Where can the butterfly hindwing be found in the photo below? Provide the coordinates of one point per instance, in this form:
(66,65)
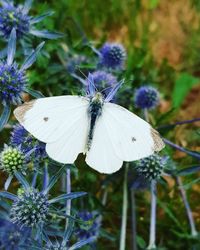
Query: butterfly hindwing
(102,156)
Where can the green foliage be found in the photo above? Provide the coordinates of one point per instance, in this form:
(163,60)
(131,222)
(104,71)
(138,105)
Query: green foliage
(182,86)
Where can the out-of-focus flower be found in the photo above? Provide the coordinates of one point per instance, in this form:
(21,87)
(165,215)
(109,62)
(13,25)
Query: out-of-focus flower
(112,55)
(12,159)
(74,62)
(12,237)
(27,143)
(18,18)
(93,225)
(146,97)
(151,168)
(102,80)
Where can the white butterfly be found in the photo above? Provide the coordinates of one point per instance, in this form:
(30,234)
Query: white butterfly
(107,133)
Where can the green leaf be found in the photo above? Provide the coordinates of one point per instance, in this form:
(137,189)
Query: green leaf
(182,86)
(141,242)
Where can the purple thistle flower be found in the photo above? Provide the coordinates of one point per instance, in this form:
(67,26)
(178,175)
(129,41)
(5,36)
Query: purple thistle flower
(23,139)
(112,55)
(13,83)
(93,227)
(13,17)
(18,18)
(13,80)
(102,80)
(146,97)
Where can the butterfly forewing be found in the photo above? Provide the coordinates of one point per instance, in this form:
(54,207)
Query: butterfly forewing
(48,119)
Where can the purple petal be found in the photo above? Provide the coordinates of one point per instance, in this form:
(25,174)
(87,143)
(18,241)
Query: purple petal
(113,91)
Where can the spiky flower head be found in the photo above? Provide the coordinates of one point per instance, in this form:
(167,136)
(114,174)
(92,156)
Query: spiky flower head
(146,97)
(151,168)
(12,83)
(30,209)
(12,159)
(23,139)
(13,17)
(91,228)
(112,55)
(102,79)
(12,236)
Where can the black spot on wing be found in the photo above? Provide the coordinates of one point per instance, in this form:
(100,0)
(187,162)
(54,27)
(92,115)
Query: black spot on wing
(133,139)
(46,119)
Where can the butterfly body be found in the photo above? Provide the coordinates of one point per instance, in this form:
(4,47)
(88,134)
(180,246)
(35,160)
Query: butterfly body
(94,112)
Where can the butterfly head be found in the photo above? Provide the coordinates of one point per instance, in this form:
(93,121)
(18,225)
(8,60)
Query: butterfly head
(98,98)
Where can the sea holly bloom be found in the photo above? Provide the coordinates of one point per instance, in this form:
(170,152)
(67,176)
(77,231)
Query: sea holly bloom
(12,159)
(13,79)
(31,208)
(102,79)
(20,137)
(151,168)
(18,18)
(146,97)
(112,55)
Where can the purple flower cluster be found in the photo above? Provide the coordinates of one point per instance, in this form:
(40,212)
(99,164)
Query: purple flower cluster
(21,138)
(13,17)
(112,55)
(12,83)
(146,97)
(102,79)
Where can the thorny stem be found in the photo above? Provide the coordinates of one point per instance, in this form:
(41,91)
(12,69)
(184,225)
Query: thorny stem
(152,235)
(124,211)
(187,206)
(134,226)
